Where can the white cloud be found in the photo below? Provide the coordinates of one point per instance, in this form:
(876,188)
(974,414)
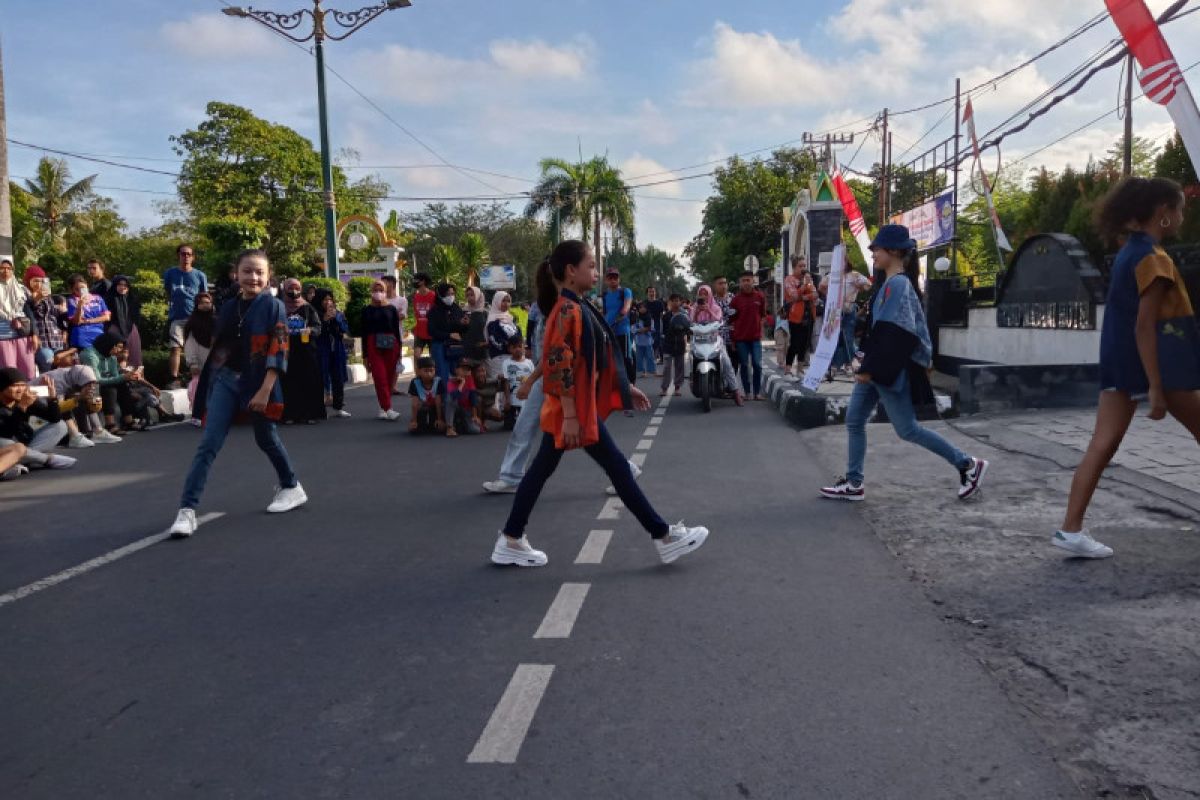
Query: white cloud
(647,170)
(536,59)
(215,36)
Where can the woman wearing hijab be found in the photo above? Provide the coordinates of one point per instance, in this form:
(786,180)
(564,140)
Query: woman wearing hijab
(331,351)
(18,336)
(303,398)
(706,310)
(501,328)
(382,340)
(475,339)
(448,324)
(125,311)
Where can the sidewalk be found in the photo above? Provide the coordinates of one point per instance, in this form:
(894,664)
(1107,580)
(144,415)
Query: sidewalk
(1104,656)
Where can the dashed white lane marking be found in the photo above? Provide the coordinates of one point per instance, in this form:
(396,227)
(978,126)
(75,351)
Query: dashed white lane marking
(99,561)
(563,612)
(611,509)
(638,458)
(594,547)
(504,734)
(644,444)
(651,430)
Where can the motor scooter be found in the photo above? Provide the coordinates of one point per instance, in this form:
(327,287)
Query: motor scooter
(707,381)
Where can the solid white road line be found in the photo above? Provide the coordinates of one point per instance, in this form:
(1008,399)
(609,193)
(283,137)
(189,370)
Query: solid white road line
(612,506)
(644,444)
(594,547)
(504,734)
(651,430)
(639,459)
(100,561)
(560,617)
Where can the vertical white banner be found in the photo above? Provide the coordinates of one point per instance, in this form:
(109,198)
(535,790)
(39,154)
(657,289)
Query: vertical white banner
(831,325)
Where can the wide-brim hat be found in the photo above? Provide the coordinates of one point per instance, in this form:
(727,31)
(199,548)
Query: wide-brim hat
(893,237)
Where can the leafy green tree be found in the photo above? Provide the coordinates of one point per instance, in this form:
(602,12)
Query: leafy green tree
(445,265)
(1175,163)
(472,255)
(1145,156)
(241,169)
(642,268)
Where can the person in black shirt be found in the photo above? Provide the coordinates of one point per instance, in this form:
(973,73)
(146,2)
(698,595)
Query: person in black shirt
(382,340)
(19,404)
(656,309)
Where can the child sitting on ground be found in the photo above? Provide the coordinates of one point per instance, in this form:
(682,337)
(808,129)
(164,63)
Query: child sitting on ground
(425,389)
(462,401)
(488,391)
(514,369)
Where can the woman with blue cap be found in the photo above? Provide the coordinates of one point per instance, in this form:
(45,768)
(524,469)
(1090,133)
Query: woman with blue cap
(894,370)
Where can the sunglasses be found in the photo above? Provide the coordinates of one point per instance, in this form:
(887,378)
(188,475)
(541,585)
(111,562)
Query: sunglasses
(188,254)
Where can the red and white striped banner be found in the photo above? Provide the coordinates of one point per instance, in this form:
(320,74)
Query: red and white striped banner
(858,226)
(969,121)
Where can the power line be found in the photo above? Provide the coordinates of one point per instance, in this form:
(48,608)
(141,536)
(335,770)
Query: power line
(91,158)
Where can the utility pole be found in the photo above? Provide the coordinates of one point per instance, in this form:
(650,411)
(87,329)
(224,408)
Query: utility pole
(827,142)
(1127,168)
(957,138)
(6,231)
(883,172)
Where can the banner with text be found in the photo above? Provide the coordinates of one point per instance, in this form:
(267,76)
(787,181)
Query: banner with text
(831,327)
(932,223)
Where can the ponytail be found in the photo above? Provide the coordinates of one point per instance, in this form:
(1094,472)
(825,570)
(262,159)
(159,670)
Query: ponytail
(553,271)
(912,271)
(547,292)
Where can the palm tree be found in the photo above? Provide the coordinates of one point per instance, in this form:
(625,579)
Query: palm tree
(589,193)
(472,253)
(55,201)
(446,265)
(611,202)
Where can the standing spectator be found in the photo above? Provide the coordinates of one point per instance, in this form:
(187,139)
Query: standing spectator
(656,309)
(643,341)
(427,398)
(103,357)
(331,352)
(448,324)
(98,283)
(801,297)
(475,338)
(18,335)
(723,299)
(618,302)
(303,398)
(400,303)
(125,312)
(87,314)
(423,301)
(309,293)
(674,344)
(531,328)
(49,317)
(852,283)
(198,336)
(182,284)
(749,307)
(381,347)
(18,404)
(226,289)
(501,329)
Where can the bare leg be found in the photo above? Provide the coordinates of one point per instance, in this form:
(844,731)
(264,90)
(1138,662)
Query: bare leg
(1112,420)
(1185,407)
(175,353)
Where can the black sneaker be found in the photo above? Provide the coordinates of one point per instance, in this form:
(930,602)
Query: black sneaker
(971,479)
(843,489)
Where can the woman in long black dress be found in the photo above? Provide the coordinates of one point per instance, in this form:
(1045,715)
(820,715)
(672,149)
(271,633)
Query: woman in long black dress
(303,387)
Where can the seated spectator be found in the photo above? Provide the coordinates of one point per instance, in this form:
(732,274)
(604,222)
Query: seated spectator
(462,401)
(331,352)
(87,313)
(198,339)
(18,406)
(126,312)
(118,401)
(426,392)
(514,369)
(487,391)
(146,397)
(18,336)
(10,462)
(78,394)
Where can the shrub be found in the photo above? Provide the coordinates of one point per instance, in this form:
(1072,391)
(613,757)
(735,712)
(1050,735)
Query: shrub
(157,364)
(360,296)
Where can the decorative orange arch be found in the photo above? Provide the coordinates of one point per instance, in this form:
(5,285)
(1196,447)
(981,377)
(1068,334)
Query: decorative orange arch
(345,222)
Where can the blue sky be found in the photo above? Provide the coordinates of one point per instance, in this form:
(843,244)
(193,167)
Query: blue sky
(656,84)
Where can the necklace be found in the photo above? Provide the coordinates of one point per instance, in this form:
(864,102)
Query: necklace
(242,314)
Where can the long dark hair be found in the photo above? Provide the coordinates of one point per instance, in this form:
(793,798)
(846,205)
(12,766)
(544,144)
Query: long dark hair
(201,325)
(554,268)
(912,271)
(1135,200)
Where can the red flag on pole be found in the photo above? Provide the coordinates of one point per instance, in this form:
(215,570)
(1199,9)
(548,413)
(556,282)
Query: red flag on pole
(858,226)
(1001,239)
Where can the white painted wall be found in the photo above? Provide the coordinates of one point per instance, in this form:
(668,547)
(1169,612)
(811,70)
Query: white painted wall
(982,340)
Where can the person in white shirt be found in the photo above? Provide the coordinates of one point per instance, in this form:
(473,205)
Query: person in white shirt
(853,282)
(514,368)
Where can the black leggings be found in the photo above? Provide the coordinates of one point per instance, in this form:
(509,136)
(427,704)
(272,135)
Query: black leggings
(799,334)
(118,400)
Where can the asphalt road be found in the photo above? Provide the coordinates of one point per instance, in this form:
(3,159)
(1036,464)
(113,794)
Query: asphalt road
(364,647)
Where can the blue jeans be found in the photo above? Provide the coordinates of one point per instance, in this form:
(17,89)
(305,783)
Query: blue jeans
(897,401)
(645,359)
(750,355)
(438,349)
(611,460)
(846,348)
(524,437)
(223,406)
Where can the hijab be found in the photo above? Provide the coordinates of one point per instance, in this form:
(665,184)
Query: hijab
(475,302)
(292,304)
(495,313)
(13,295)
(119,305)
(201,325)
(706,310)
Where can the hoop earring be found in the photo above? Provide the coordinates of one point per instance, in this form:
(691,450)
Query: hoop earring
(1164,223)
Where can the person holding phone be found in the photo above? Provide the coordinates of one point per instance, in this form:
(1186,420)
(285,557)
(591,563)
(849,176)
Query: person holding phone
(87,313)
(18,335)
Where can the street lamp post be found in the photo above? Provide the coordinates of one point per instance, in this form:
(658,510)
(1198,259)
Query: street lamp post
(347,22)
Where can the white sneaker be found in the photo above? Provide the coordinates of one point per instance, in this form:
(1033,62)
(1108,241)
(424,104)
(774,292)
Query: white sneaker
(185,524)
(80,442)
(287,499)
(972,478)
(843,489)
(1081,545)
(522,553)
(196,422)
(393,414)
(339,413)
(14,472)
(104,437)
(383,415)
(611,491)
(55,461)
(499,487)
(681,540)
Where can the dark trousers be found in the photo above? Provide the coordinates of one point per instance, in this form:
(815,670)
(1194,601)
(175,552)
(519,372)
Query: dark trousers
(627,356)
(734,358)
(799,336)
(118,400)
(610,459)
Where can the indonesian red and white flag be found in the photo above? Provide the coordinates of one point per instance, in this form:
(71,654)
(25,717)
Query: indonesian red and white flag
(1161,78)
(969,121)
(858,226)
